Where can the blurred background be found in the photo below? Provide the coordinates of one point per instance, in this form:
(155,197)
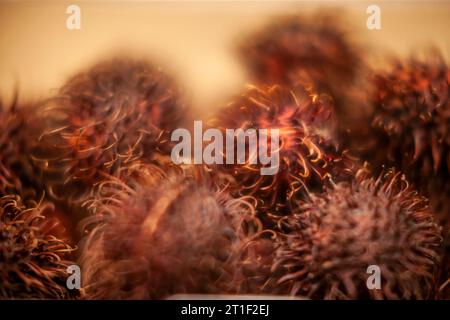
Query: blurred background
(195,41)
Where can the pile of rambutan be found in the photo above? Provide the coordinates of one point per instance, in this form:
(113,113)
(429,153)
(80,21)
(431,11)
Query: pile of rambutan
(87,179)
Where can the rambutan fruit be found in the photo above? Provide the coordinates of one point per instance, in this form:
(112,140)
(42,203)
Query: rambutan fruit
(307,152)
(334,237)
(314,49)
(411,124)
(112,114)
(33,261)
(173,235)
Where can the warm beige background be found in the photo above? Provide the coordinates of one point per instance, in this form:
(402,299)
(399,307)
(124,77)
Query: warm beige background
(192,40)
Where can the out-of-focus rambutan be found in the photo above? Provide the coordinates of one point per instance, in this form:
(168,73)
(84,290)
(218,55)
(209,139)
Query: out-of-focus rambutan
(32,260)
(411,125)
(112,114)
(411,120)
(19,132)
(334,237)
(307,152)
(173,235)
(314,49)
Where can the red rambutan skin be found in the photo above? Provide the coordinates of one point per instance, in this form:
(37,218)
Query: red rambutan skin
(308,154)
(329,243)
(33,261)
(173,234)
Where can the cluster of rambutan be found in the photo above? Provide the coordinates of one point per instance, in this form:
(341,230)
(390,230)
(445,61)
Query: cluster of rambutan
(91,166)
(97,159)
(339,217)
(53,155)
